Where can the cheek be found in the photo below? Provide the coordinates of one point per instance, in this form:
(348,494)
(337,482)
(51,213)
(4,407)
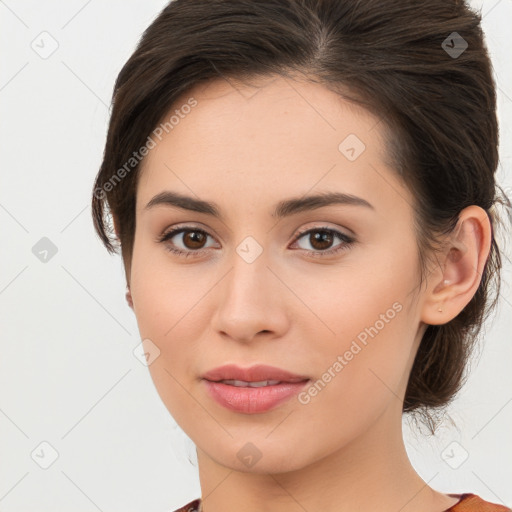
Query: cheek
(359,299)
(168,300)
(156,290)
(370,345)
(166,315)
(360,375)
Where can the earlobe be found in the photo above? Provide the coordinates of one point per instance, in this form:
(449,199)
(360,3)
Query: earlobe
(455,282)
(445,283)
(129,297)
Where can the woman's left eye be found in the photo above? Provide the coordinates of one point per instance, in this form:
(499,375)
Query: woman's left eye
(324,236)
(319,237)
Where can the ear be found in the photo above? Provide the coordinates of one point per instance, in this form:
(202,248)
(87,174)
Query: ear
(128,294)
(128,297)
(452,284)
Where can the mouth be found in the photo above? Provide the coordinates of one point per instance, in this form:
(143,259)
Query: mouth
(255,376)
(245,384)
(253,390)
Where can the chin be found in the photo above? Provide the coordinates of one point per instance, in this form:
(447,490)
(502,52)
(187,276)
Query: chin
(258,456)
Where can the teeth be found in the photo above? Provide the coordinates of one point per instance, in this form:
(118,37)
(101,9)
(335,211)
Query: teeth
(243,383)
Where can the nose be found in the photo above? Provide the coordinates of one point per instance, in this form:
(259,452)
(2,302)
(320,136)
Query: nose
(251,299)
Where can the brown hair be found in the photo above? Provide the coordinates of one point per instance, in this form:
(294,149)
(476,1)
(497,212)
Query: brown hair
(406,62)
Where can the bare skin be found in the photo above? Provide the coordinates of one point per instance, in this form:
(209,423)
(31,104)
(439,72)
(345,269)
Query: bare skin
(247,149)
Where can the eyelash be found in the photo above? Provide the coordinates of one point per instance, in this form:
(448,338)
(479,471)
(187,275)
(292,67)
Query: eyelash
(347,241)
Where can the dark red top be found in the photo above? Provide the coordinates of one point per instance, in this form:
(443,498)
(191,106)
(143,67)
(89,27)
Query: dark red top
(468,503)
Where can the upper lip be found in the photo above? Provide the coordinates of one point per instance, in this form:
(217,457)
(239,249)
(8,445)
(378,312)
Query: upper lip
(255,373)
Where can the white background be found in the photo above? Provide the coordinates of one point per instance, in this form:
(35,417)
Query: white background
(67,372)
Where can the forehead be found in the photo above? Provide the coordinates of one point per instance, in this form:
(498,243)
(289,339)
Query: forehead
(274,136)
(270,105)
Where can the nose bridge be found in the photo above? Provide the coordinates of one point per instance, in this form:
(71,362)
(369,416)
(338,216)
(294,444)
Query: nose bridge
(247,292)
(249,266)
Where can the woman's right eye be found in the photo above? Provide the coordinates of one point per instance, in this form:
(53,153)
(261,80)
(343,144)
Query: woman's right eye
(198,237)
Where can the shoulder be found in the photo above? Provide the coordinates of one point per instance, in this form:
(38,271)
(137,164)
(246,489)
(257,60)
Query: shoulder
(468,503)
(472,503)
(193,506)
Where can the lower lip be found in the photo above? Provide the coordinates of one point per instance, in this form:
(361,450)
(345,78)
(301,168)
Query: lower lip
(253,400)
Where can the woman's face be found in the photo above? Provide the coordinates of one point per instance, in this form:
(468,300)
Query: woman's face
(341,308)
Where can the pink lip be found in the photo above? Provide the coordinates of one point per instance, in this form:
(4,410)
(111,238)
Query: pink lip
(255,373)
(252,400)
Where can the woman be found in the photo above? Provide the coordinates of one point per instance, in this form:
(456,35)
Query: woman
(304,195)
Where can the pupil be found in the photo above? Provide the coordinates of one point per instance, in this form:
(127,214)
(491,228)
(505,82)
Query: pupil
(196,238)
(321,237)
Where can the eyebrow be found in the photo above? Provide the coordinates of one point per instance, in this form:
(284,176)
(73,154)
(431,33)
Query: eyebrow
(282,209)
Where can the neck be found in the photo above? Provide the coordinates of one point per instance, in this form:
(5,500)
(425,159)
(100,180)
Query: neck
(372,472)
